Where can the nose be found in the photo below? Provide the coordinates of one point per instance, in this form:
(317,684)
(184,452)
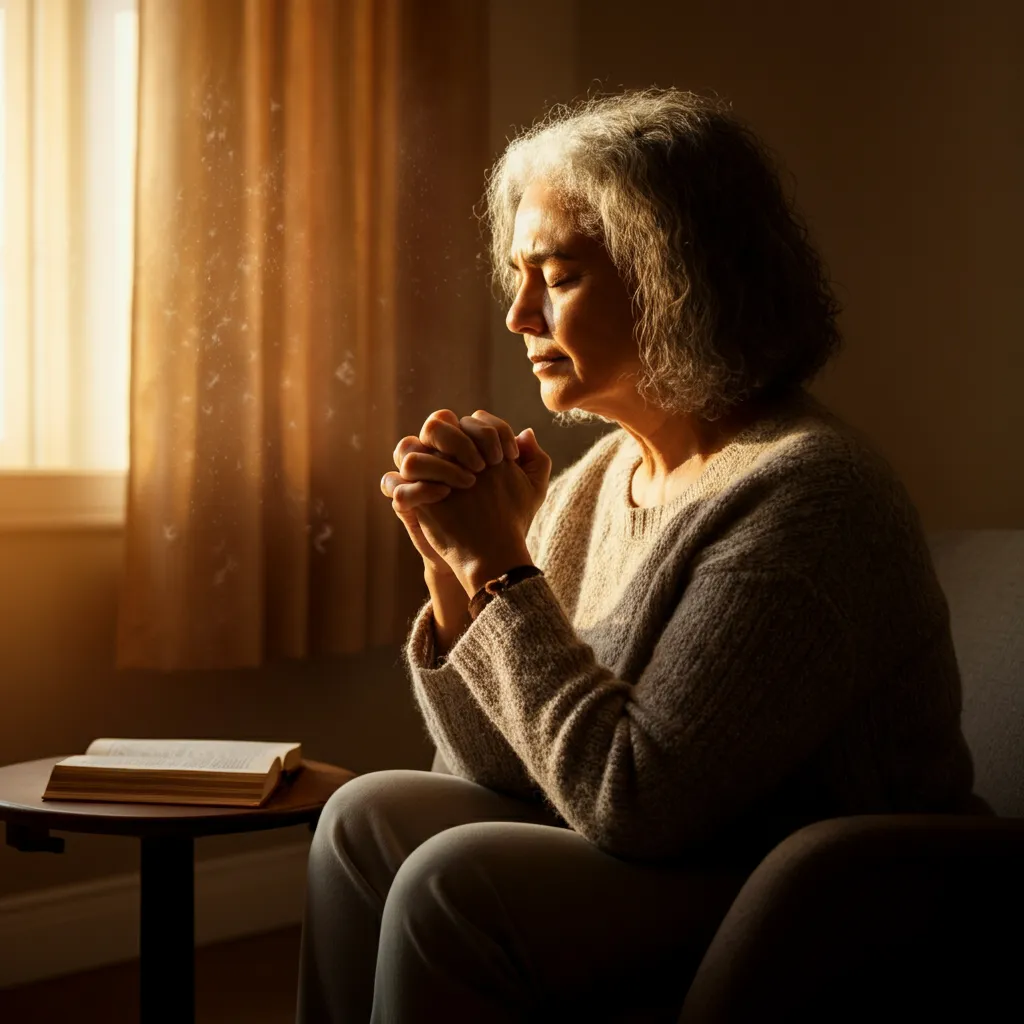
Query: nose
(526,315)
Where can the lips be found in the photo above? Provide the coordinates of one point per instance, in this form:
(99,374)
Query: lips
(549,357)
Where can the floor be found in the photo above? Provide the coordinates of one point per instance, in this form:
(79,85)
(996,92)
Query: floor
(247,981)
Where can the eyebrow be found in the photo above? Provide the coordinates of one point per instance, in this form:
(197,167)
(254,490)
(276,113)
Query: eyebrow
(538,257)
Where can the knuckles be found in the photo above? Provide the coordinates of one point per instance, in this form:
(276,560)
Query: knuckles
(400,448)
(440,416)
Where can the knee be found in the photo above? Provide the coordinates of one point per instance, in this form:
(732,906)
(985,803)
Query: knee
(446,880)
(352,814)
(370,793)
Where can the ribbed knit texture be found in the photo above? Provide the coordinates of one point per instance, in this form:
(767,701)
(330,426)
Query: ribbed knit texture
(768,649)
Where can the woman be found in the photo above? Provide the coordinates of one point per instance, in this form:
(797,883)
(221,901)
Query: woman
(735,630)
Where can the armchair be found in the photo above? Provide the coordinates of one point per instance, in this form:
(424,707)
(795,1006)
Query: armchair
(886,917)
(901,917)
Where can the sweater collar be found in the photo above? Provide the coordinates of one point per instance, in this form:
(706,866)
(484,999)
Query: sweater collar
(730,461)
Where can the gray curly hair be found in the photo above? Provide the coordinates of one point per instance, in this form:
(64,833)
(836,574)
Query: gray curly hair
(731,298)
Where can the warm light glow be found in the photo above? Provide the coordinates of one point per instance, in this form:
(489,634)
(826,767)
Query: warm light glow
(3,219)
(110,238)
(115,402)
(68,84)
(15,200)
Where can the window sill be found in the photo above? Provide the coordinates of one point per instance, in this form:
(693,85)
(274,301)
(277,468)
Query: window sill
(56,500)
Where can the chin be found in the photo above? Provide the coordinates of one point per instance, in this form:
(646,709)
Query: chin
(566,400)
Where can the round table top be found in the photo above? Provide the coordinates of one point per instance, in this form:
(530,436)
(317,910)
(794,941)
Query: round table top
(294,802)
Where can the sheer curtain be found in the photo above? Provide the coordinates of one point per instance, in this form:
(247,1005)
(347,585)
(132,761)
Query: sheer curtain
(307,290)
(67,148)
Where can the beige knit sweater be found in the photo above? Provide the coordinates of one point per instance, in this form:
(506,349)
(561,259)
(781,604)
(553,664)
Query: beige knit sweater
(769,649)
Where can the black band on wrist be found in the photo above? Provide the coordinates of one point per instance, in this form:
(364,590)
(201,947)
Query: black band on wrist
(496,586)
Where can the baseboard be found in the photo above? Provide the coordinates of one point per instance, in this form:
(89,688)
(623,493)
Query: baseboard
(77,927)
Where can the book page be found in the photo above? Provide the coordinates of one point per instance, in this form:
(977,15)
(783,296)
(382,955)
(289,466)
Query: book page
(242,765)
(243,755)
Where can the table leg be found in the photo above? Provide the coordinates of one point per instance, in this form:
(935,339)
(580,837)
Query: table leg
(167,932)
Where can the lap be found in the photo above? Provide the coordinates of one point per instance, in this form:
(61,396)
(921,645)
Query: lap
(404,808)
(576,918)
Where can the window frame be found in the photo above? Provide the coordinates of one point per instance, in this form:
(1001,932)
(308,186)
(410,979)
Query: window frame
(41,499)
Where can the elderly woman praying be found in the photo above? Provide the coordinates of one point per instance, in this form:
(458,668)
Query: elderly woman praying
(719,624)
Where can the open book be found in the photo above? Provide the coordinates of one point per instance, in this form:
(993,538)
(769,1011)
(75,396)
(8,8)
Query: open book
(230,773)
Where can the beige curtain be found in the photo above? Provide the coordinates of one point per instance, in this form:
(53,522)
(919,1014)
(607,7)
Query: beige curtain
(307,290)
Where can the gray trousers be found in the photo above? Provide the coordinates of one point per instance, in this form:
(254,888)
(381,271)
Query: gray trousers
(431,898)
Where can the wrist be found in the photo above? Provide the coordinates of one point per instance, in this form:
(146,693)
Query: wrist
(445,591)
(450,612)
(477,573)
(445,575)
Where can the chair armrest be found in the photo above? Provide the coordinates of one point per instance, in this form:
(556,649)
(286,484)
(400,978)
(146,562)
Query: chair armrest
(845,900)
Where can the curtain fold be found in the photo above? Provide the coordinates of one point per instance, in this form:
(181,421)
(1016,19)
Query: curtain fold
(307,289)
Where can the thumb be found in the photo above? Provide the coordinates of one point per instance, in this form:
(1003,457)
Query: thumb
(533,460)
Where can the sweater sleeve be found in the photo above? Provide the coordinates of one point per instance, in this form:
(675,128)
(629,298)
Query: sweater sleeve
(469,741)
(750,674)
(466,738)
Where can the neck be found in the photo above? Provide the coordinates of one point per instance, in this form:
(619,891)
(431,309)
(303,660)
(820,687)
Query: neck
(677,445)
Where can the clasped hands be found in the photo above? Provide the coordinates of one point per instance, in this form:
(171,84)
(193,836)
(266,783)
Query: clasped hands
(466,491)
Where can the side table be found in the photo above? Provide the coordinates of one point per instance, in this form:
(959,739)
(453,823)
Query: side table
(167,833)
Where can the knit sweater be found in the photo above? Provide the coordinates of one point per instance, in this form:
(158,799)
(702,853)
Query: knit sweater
(770,648)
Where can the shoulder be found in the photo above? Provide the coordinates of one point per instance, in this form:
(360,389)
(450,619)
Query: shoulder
(817,460)
(827,465)
(812,487)
(822,502)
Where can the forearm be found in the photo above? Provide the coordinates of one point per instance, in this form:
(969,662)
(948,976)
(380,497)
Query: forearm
(471,745)
(450,607)
(656,765)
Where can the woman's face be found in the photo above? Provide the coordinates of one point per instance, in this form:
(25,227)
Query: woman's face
(571,302)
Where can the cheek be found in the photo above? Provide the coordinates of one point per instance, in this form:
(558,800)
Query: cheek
(571,319)
(552,313)
(584,330)
(593,329)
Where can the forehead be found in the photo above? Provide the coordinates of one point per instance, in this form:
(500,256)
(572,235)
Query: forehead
(542,219)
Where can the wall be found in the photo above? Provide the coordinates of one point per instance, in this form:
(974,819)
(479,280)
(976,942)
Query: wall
(903,124)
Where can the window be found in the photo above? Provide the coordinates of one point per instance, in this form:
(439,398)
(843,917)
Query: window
(68,74)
